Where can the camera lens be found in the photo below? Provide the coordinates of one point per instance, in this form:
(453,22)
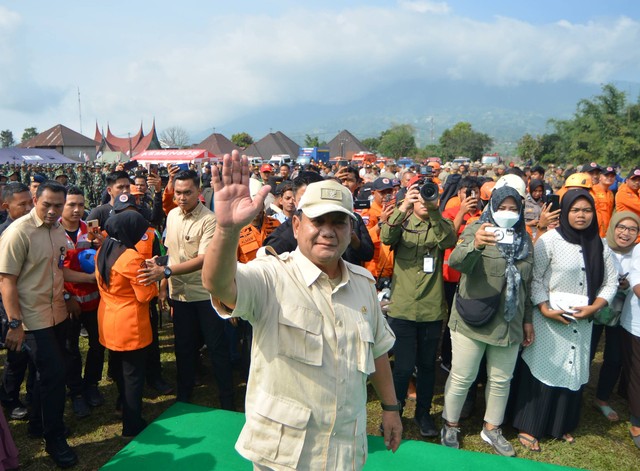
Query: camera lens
(429,191)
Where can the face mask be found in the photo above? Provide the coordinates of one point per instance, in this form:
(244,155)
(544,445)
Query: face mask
(505,219)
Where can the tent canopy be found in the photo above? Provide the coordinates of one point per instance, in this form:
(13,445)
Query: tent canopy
(113,157)
(175,156)
(34,156)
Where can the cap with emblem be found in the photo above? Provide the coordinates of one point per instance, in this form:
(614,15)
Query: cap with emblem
(38,178)
(266,168)
(634,173)
(381,184)
(123,202)
(591,167)
(325,197)
(609,169)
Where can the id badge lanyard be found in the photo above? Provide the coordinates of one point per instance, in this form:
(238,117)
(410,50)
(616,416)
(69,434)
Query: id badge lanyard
(428,262)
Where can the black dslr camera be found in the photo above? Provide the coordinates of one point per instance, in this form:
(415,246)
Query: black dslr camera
(429,191)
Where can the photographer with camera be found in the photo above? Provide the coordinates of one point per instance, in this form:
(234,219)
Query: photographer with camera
(419,236)
(492,313)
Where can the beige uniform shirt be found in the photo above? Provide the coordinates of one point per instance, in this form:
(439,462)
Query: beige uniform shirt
(188,235)
(35,254)
(313,349)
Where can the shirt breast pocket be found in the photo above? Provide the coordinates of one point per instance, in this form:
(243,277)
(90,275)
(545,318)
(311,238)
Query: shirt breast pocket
(300,334)
(494,264)
(366,363)
(191,245)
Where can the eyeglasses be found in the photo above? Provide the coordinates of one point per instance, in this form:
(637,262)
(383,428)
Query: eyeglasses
(581,210)
(630,230)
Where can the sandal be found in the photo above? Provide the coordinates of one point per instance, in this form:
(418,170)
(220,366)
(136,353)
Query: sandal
(608,412)
(530,443)
(636,439)
(569,439)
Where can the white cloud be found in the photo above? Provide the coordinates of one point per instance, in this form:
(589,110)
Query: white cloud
(238,64)
(425,6)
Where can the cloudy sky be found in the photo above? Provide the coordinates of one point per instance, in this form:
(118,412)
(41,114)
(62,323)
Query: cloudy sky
(201,64)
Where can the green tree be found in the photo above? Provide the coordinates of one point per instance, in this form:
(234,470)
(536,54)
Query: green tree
(398,141)
(430,150)
(528,148)
(6,138)
(371,143)
(604,129)
(242,139)
(462,140)
(28,134)
(310,141)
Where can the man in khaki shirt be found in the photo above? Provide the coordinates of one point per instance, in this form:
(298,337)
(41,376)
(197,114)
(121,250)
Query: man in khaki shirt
(32,253)
(190,227)
(318,331)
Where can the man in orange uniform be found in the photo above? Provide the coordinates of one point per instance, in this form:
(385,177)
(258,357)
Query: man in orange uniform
(603,197)
(628,198)
(382,205)
(253,235)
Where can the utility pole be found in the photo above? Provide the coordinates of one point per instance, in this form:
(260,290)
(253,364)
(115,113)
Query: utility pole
(79,110)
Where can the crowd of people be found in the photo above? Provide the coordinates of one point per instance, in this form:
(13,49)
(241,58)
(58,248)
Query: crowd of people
(504,275)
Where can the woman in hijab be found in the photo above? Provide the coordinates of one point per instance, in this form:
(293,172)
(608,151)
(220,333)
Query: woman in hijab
(621,239)
(123,315)
(534,202)
(491,314)
(573,278)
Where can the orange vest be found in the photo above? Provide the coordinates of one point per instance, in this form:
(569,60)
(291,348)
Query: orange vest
(381,265)
(123,315)
(454,202)
(603,198)
(86,294)
(627,199)
(251,238)
(145,245)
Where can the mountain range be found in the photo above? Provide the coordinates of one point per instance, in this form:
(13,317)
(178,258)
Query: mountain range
(503,112)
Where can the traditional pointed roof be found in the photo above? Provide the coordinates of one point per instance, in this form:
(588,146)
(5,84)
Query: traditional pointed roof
(59,136)
(273,144)
(218,145)
(135,144)
(345,145)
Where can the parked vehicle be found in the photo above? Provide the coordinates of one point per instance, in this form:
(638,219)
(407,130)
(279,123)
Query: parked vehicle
(491,159)
(280,159)
(317,154)
(462,160)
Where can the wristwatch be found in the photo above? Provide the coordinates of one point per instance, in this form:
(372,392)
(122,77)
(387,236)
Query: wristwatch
(66,296)
(391,408)
(14,323)
(167,272)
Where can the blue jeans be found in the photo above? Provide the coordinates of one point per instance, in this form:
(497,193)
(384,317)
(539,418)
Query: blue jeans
(416,346)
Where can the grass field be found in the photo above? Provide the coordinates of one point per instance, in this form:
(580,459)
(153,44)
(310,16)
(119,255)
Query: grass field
(600,445)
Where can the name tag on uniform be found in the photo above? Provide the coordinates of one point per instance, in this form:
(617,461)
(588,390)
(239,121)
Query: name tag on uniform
(427,266)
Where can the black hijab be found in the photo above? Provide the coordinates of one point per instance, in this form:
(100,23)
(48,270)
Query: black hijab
(588,239)
(533,184)
(125,231)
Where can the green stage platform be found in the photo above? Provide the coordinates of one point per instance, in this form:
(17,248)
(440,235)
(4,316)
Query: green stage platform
(194,438)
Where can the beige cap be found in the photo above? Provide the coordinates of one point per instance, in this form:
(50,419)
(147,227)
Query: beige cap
(324,197)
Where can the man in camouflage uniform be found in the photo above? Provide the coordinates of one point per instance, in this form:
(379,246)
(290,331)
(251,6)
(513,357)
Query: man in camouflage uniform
(97,185)
(83,180)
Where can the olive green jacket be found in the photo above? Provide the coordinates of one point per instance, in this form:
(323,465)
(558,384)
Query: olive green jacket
(416,295)
(483,275)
